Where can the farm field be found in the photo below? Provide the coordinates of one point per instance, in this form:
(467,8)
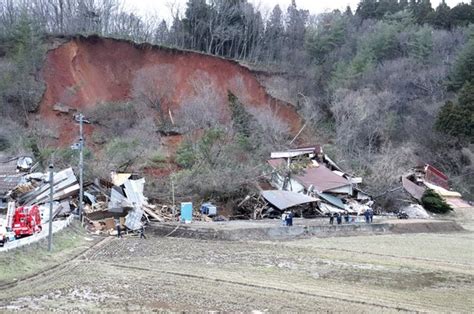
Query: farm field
(384,273)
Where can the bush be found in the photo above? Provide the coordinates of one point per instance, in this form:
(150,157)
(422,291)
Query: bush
(458,119)
(434,203)
(185,155)
(157,159)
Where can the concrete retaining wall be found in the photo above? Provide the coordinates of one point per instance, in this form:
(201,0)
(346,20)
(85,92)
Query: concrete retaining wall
(57,226)
(299,231)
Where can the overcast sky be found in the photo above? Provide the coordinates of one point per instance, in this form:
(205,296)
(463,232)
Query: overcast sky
(162,7)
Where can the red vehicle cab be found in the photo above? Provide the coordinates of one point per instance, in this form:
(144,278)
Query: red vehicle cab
(26,221)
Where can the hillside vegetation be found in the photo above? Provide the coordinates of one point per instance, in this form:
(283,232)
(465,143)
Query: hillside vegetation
(384,86)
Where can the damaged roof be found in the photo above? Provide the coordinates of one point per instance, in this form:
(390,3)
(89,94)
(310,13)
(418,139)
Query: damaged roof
(412,188)
(286,199)
(9,176)
(332,200)
(320,177)
(436,177)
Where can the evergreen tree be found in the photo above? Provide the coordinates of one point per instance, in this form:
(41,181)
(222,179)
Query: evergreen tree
(348,13)
(367,9)
(386,7)
(195,23)
(274,33)
(422,11)
(22,89)
(162,33)
(441,17)
(458,119)
(327,36)
(463,69)
(462,14)
(434,203)
(296,26)
(403,4)
(241,119)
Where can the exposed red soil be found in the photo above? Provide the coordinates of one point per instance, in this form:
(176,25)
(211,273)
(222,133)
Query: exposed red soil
(85,72)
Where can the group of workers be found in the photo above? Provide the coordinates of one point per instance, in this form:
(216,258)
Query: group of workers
(287,218)
(368,214)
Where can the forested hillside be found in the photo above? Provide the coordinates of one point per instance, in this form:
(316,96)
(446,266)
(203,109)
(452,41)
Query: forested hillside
(384,86)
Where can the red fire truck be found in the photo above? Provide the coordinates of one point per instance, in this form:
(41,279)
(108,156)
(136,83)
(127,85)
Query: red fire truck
(26,221)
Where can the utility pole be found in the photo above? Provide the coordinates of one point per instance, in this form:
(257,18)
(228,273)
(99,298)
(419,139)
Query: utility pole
(81,167)
(51,197)
(172,195)
(80,119)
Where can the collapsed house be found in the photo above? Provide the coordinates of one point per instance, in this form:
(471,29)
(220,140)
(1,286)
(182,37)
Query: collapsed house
(106,202)
(20,186)
(424,177)
(122,199)
(308,172)
(12,171)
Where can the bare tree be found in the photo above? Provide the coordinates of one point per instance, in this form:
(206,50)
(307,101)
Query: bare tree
(201,110)
(154,86)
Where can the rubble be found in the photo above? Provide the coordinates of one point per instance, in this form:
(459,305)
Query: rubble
(421,178)
(122,199)
(416,211)
(252,206)
(12,172)
(308,171)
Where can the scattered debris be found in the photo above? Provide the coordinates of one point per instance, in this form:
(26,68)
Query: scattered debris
(415,211)
(419,179)
(308,171)
(253,207)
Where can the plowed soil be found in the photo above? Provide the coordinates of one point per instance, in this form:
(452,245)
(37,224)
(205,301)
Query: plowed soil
(370,274)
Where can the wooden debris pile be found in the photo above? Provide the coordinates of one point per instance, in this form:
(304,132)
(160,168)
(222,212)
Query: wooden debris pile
(252,206)
(161,213)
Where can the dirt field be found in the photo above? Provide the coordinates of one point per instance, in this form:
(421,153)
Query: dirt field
(387,273)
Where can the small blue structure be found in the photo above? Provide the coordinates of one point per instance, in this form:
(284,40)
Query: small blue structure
(208,209)
(186,212)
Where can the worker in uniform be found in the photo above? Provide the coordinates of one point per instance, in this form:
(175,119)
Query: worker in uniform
(142,232)
(283,219)
(289,218)
(347,217)
(371,215)
(119,230)
(367,215)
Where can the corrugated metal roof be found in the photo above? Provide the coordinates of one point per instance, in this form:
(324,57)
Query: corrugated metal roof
(332,199)
(286,199)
